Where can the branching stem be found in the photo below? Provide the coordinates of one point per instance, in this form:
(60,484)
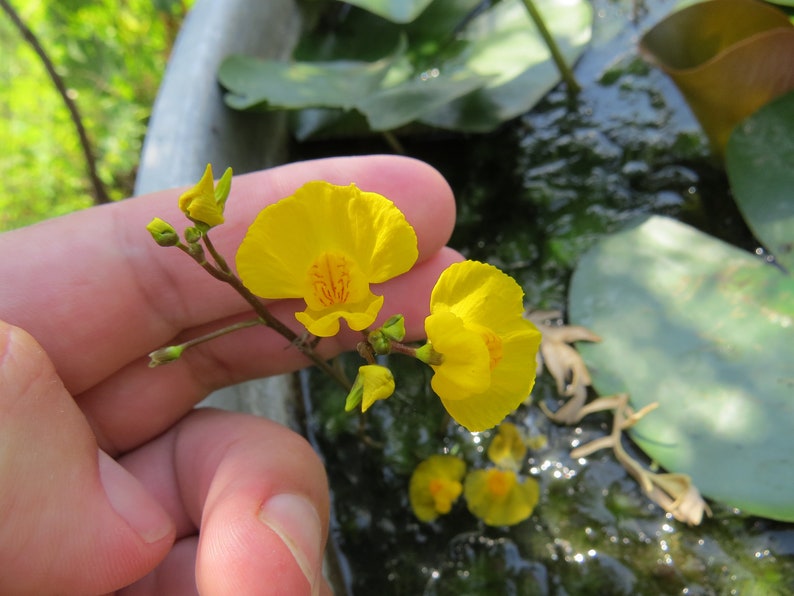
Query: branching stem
(223,273)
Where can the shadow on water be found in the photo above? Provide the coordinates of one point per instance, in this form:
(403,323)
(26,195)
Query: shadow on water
(532,197)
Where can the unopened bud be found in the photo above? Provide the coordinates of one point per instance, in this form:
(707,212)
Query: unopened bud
(165,355)
(163,232)
(381,344)
(193,234)
(394,328)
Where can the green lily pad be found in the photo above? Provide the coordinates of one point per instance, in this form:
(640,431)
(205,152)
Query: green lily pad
(707,331)
(269,84)
(341,84)
(453,68)
(392,107)
(760,164)
(504,43)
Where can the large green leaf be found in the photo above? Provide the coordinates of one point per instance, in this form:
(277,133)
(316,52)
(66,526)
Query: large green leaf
(269,84)
(706,330)
(760,163)
(398,105)
(451,69)
(728,58)
(504,43)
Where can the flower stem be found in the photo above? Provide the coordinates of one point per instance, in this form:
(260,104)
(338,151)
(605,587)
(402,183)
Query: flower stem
(399,348)
(265,316)
(220,332)
(565,71)
(222,265)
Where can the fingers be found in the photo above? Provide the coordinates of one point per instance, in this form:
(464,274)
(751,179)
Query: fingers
(138,403)
(259,494)
(74,521)
(98,272)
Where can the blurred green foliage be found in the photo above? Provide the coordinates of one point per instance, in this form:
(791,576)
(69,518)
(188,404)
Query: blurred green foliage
(112,56)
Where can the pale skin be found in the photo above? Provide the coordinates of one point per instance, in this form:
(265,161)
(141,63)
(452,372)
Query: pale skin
(107,473)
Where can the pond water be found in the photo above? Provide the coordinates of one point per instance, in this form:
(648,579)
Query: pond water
(532,197)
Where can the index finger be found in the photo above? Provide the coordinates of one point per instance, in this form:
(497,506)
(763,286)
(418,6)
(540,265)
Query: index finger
(96,292)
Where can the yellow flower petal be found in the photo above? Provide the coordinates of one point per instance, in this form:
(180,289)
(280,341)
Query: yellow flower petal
(435,486)
(488,305)
(480,294)
(327,244)
(498,497)
(200,203)
(465,370)
(507,448)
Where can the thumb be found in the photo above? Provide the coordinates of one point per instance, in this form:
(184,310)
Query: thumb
(72,520)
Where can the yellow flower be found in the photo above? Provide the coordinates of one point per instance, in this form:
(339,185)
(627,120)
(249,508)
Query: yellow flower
(204,203)
(480,347)
(327,244)
(435,485)
(498,497)
(507,448)
(373,382)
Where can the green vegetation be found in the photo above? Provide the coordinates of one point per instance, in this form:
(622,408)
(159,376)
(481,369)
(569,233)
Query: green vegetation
(111,56)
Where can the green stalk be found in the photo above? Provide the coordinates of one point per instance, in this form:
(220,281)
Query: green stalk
(565,71)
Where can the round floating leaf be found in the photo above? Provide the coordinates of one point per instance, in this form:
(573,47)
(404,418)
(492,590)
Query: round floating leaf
(706,330)
(271,84)
(760,164)
(728,58)
(504,44)
(450,69)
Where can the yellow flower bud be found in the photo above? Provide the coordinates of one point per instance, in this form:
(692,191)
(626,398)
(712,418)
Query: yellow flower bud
(507,448)
(374,382)
(204,203)
(163,232)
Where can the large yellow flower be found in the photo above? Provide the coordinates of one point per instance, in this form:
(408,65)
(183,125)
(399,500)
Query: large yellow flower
(327,244)
(435,485)
(482,349)
(499,498)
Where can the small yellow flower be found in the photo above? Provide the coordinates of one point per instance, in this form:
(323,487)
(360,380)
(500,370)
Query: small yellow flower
(499,498)
(373,382)
(435,486)
(204,203)
(327,244)
(507,448)
(481,348)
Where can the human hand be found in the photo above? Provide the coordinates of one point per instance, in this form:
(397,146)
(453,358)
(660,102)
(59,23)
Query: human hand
(107,474)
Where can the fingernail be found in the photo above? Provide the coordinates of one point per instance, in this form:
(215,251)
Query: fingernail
(132,502)
(297,523)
